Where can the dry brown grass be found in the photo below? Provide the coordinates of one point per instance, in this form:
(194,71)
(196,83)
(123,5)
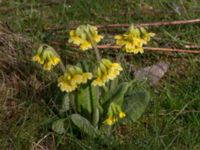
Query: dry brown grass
(16,75)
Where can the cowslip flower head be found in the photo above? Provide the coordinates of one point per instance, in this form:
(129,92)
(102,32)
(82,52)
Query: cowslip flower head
(83,35)
(106,71)
(47,57)
(122,114)
(133,40)
(73,77)
(110,120)
(114,114)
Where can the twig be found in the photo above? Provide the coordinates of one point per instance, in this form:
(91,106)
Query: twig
(153,49)
(192,46)
(154,24)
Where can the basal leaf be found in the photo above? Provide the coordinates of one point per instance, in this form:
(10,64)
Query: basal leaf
(83,101)
(84,125)
(136,105)
(58,126)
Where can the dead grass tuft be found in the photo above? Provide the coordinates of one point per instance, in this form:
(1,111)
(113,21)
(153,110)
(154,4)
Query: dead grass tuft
(16,75)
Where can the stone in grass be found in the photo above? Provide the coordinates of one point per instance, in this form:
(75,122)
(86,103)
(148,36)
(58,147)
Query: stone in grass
(152,73)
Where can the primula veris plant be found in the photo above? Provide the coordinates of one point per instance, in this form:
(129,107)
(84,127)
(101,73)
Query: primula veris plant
(134,39)
(93,98)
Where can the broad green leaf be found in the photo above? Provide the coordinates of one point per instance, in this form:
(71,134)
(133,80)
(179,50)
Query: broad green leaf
(83,101)
(84,125)
(65,103)
(114,84)
(118,94)
(136,105)
(94,93)
(58,126)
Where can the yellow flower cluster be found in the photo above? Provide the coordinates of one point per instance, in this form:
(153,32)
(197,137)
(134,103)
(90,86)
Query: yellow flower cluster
(113,119)
(83,35)
(73,77)
(47,57)
(106,71)
(133,40)
(114,113)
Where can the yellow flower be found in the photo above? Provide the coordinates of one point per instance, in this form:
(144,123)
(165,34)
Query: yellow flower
(38,59)
(85,46)
(133,40)
(106,71)
(75,39)
(47,57)
(110,120)
(122,115)
(73,77)
(114,114)
(83,35)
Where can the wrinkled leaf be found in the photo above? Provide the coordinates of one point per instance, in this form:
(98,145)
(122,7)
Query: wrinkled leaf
(136,105)
(83,101)
(65,103)
(58,126)
(84,125)
(119,93)
(114,84)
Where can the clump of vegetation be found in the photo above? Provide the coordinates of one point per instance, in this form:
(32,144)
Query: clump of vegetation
(31,100)
(94,99)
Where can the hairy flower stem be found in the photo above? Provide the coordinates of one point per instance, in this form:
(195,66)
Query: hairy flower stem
(94,45)
(62,66)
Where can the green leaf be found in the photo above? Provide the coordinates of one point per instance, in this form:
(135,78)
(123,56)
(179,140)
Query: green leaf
(84,125)
(65,103)
(58,126)
(114,84)
(83,101)
(118,94)
(136,105)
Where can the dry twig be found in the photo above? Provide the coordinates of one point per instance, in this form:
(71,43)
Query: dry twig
(154,24)
(108,26)
(153,49)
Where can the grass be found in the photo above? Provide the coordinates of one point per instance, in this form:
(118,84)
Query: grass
(172,119)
